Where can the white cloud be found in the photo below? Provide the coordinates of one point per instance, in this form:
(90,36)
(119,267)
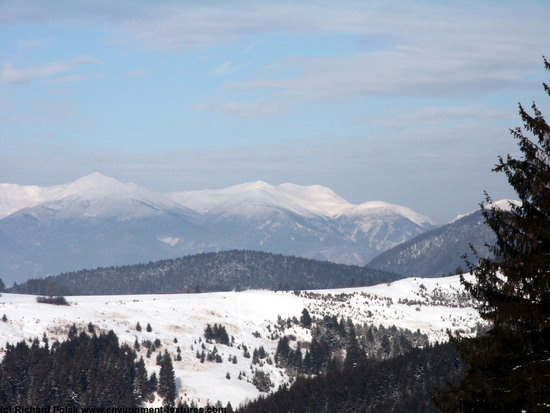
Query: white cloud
(10,74)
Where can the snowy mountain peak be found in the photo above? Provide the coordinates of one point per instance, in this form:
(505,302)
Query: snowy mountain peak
(503,204)
(256,185)
(137,224)
(94,195)
(92,186)
(314,200)
(381,208)
(95,180)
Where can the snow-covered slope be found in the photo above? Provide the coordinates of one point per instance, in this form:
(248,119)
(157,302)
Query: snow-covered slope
(503,204)
(123,223)
(308,201)
(94,195)
(251,317)
(14,197)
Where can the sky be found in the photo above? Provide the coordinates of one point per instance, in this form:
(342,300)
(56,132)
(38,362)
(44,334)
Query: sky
(408,102)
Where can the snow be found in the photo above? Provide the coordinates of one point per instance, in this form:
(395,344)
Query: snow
(169,240)
(301,200)
(105,196)
(503,204)
(94,195)
(244,314)
(313,200)
(15,197)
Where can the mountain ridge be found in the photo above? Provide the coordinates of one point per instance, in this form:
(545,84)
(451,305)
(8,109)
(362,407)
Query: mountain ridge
(99,221)
(440,251)
(211,271)
(315,199)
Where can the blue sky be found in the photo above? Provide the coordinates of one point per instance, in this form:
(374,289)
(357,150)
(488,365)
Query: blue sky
(408,102)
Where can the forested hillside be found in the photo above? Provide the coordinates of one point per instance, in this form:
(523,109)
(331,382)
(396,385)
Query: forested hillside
(439,251)
(404,384)
(219,271)
(86,370)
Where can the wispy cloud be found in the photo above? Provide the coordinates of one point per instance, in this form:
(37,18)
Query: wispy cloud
(400,71)
(227,68)
(435,116)
(244,110)
(32,44)
(10,74)
(37,112)
(418,66)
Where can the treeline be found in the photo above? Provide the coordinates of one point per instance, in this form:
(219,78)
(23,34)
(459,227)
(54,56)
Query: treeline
(216,271)
(86,370)
(403,384)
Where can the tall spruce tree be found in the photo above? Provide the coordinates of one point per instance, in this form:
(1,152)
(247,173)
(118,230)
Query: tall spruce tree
(167,380)
(509,367)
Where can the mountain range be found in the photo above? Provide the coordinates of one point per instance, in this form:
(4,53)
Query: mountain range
(99,221)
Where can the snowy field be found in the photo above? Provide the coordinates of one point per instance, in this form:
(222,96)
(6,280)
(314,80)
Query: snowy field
(178,320)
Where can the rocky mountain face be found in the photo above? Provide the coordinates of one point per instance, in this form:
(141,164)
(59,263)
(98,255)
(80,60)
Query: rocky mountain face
(99,221)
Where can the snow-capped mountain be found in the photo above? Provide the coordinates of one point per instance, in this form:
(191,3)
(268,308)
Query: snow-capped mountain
(95,195)
(252,318)
(99,221)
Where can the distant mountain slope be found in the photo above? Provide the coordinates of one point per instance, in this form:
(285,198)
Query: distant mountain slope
(208,271)
(439,251)
(99,221)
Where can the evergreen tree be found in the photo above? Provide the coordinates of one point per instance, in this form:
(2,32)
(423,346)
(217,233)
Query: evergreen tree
(509,367)
(354,354)
(153,382)
(305,319)
(167,380)
(141,381)
(15,380)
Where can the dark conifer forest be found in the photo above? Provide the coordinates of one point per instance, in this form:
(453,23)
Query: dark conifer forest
(403,384)
(216,271)
(86,370)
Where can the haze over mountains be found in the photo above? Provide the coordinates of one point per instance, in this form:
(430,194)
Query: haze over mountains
(99,221)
